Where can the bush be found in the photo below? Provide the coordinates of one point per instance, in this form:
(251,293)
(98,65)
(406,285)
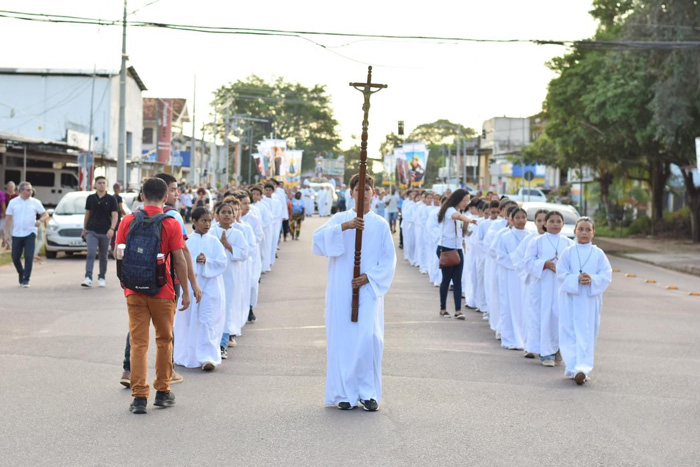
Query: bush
(675,224)
(641,225)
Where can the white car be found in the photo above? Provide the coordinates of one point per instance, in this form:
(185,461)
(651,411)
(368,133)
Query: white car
(66,225)
(570,214)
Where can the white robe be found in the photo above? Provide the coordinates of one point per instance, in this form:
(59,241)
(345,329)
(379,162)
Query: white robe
(433,230)
(354,366)
(580,305)
(198,329)
(496,229)
(246,299)
(308,198)
(267,221)
(322,199)
(275,227)
(407,226)
(256,225)
(234,277)
(480,265)
(468,272)
(510,290)
(526,280)
(543,330)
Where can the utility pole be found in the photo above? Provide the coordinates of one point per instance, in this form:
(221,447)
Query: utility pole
(193,142)
(121,150)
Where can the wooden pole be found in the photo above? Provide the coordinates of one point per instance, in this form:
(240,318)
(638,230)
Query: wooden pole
(367,90)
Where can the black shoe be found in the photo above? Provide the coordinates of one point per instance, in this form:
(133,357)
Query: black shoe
(251,316)
(370,405)
(345,406)
(138,405)
(224,353)
(164,399)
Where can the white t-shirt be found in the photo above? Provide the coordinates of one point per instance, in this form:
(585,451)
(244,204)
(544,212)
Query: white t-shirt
(451,233)
(392,203)
(24,212)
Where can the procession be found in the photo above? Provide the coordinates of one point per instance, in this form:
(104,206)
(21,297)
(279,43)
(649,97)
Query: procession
(268,235)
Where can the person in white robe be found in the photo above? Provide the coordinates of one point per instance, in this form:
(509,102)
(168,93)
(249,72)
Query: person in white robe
(237,253)
(526,278)
(266,221)
(584,273)
(354,350)
(197,330)
(418,231)
(510,284)
(322,199)
(329,202)
(541,262)
(251,216)
(483,226)
(276,207)
(307,195)
(433,230)
(407,211)
(249,234)
(468,276)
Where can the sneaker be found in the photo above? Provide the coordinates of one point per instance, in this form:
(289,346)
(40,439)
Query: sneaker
(557,358)
(498,336)
(370,405)
(529,355)
(232,342)
(224,353)
(251,316)
(21,278)
(164,399)
(548,362)
(486,316)
(177,378)
(126,379)
(25,284)
(138,405)
(445,314)
(345,406)
(208,366)
(580,378)
(87,283)
(101,283)
(459,315)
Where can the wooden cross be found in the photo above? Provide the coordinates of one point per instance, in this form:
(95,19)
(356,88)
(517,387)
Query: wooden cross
(367,89)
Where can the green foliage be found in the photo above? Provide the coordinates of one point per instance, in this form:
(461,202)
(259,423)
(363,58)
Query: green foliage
(440,132)
(390,142)
(640,226)
(300,114)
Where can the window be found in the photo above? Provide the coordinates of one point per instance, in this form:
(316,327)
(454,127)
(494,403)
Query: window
(41,178)
(147,136)
(129,144)
(69,180)
(12,176)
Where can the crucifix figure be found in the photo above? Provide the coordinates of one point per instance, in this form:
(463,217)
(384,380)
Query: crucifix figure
(367,89)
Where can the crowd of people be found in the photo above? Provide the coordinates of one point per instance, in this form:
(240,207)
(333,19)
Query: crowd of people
(230,247)
(540,292)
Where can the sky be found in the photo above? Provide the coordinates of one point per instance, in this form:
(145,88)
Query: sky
(465,83)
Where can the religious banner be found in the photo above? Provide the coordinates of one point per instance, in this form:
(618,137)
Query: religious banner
(389,177)
(272,155)
(401,168)
(292,166)
(165,120)
(416,155)
(333,167)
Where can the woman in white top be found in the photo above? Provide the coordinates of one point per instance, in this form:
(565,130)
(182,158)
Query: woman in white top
(452,222)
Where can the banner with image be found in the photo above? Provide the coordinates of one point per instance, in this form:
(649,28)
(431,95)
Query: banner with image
(389,176)
(292,167)
(401,168)
(416,155)
(272,155)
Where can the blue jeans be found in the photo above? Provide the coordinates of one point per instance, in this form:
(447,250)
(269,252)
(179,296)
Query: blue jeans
(546,357)
(26,245)
(224,340)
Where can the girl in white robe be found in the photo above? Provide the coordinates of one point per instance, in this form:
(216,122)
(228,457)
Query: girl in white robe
(407,210)
(197,330)
(252,218)
(249,235)
(266,220)
(541,261)
(584,273)
(483,225)
(433,230)
(236,249)
(510,286)
(526,278)
(355,350)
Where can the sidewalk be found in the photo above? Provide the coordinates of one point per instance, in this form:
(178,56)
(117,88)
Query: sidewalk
(679,255)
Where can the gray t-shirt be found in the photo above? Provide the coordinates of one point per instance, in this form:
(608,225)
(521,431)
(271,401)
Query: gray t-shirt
(392,203)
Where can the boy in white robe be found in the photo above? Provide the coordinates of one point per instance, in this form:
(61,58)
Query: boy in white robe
(584,273)
(266,219)
(355,349)
(482,227)
(197,330)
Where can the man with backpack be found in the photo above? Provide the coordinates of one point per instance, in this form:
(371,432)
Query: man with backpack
(149,290)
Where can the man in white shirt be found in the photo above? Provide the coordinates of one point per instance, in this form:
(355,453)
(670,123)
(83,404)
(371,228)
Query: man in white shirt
(21,223)
(392,209)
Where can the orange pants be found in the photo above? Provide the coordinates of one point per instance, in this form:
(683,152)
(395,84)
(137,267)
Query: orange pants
(142,310)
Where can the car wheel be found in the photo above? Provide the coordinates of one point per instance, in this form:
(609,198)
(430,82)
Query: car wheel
(51,254)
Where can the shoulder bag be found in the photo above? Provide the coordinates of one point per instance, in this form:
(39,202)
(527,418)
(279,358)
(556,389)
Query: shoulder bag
(449,258)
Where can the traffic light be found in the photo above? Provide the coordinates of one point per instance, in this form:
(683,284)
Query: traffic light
(400,127)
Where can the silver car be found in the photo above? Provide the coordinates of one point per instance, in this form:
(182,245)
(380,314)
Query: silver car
(66,225)
(570,214)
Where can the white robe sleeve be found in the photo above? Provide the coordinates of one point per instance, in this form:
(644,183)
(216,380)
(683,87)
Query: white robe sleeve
(239,246)
(568,278)
(503,258)
(533,264)
(216,258)
(328,239)
(603,276)
(381,274)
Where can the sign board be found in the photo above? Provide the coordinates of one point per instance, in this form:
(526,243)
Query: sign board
(529,176)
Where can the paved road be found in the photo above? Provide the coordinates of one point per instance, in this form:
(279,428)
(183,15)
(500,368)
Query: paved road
(451,395)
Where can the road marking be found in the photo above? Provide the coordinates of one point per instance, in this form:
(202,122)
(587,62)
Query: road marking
(630,275)
(672,287)
(650,281)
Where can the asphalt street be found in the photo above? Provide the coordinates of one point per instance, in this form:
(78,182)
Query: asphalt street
(452,396)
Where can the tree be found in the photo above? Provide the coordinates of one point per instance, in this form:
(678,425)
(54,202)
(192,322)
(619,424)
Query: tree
(440,132)
(299,114)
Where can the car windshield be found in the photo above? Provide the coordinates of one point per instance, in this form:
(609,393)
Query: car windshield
(569,217)
(69,206)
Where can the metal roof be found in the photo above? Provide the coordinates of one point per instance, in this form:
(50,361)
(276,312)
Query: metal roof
(131,71)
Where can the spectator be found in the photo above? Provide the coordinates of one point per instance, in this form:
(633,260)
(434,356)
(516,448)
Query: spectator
(120,213)
(185,200)
(21,224)
(98,229)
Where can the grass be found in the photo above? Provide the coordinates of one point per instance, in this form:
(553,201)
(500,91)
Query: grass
(5,258)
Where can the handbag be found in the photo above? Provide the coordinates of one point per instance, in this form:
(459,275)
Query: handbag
(450,258)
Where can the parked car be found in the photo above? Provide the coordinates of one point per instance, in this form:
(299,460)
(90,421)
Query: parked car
(50,184)
(66,225)
(570,214)
(529,195)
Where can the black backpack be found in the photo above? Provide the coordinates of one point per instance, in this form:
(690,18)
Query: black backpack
(139,268)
